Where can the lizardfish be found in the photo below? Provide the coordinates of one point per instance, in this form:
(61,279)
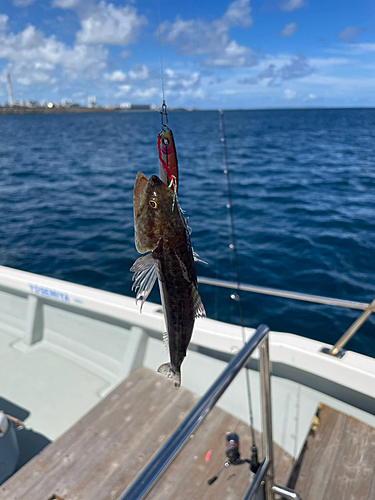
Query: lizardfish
(161,230)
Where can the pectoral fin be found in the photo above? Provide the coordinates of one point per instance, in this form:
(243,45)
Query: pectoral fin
(197,259)
(199,310)
(144,277)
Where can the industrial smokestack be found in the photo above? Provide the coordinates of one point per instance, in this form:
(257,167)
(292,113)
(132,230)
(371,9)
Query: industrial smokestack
(10,93)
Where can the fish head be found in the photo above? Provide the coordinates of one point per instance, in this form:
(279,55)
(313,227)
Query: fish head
(153,205)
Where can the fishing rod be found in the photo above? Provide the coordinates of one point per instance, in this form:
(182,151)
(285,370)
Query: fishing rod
(254,464)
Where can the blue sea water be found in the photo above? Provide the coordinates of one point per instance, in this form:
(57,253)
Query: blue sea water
(302,182)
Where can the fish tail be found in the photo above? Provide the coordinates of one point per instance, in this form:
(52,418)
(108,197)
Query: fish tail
(167,370)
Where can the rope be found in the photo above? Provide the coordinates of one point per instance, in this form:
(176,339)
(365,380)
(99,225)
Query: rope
(235,262)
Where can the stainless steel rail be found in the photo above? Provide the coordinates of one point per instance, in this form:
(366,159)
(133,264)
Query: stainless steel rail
(267,439)
(284,293)
(257,481)
(285,492)
(353,329)
(336,350)
(164,456)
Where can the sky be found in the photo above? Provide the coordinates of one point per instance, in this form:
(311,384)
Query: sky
(242,54)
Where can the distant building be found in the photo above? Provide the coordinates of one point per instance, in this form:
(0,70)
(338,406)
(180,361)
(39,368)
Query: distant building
(91,102)
(140,106)
(125,105)
(28,103)
(66,103)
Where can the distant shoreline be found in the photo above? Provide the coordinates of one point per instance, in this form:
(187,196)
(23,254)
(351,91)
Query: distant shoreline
(21,110)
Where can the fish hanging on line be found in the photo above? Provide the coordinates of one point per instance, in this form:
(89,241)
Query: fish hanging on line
(161,230)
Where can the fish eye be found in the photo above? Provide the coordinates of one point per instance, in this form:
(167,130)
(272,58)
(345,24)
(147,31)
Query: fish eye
(166,141)
(153,204)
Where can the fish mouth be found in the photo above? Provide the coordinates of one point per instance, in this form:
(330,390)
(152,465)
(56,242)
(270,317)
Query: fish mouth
(139,193)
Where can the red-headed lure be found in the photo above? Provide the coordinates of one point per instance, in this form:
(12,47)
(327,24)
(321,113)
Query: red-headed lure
(168,166)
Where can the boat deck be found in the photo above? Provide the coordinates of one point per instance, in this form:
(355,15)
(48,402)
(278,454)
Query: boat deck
(337,460)
(101,454)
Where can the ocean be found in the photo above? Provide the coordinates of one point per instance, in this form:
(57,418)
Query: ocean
(302,183)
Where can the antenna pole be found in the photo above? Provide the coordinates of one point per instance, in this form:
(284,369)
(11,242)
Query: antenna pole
(10,92)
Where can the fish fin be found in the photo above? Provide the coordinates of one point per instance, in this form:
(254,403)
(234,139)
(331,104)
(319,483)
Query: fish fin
(197,259)
(144,277)
(167,370)
(199,310)
(166,341)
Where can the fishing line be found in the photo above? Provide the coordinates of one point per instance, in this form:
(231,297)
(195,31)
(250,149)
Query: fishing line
(233,247)
(161,54)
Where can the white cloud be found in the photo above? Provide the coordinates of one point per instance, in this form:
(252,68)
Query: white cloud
(288,94)
(181,85)
(110,25)
(116,76)
(181,80)
(338,82)
(290,5)
(197,37)
(237,14)
(233,55)
(125,54)
(353,49)
(66,4)
(139,72)
(228,92)
(22,3)
(350,33)
(32,57)
(289,29)
(105,23)
(3,22)
(317,62)
(146,93)
(123,90)
(279,70)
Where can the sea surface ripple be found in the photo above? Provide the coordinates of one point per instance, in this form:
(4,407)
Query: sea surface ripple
(302,183)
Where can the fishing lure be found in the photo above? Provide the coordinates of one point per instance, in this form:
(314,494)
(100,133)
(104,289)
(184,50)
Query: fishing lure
(168,165)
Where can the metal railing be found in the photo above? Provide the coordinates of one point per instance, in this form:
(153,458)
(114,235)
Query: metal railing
(155,468)
(337,349)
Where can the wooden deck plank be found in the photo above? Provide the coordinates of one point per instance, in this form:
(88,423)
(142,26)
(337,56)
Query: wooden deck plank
(138,433)
(131,464)
(354,466)
(130,418)
(101,454)
(337,462)
(321,448)
(68,451)
(50,458)
(189,471)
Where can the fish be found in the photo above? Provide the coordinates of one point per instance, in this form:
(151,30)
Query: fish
(161,232)
(168,164)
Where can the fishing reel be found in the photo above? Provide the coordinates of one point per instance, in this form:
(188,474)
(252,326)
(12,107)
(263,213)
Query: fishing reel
(232,445)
